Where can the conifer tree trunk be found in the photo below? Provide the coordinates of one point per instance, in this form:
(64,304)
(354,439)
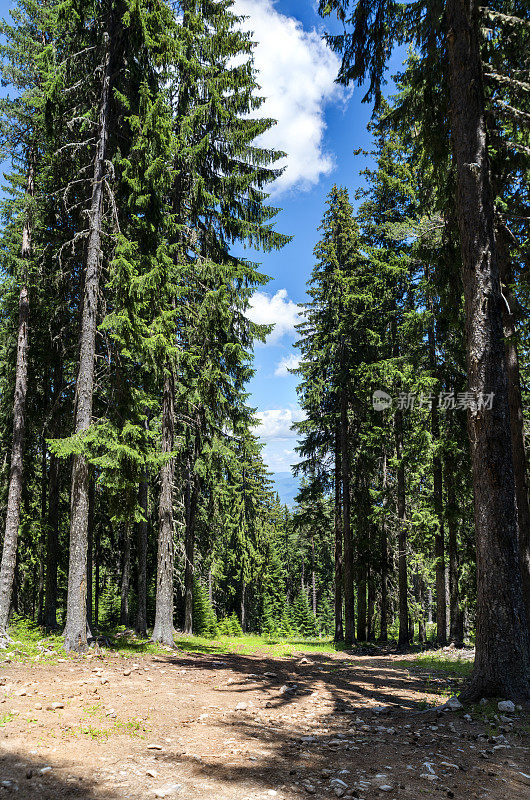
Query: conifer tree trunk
(502,661)
(456,633)
(189,544)
(370,627)
(516,414)
(439,537)
(97,586)
(44,523)
(52,546)
(384,562)
(9,551)
(349,577)
(403,638)
(141,615)
(242,600)
(313,576)
(125,578)
(76,621)
(163,628)
(90,548)
(339,629)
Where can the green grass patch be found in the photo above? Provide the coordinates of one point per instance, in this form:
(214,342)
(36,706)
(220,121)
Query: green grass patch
(439,664)
(31,643)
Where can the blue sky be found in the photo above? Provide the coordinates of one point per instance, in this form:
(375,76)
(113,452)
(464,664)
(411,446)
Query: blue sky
(319,126)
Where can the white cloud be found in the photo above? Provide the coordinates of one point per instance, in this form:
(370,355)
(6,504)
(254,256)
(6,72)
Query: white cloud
(277,310)
(296,73)
(287,362)
(275,423)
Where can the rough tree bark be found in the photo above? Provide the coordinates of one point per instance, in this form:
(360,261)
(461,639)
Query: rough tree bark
(9,551)
(502,661)
(509,319)
(348,568)
(163,628)
(141,613)
(76,621)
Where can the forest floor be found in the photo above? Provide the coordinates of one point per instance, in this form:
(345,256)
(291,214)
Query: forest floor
(191,723)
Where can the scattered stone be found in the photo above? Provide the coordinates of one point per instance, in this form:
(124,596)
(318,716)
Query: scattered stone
(339,783)
(154,747)
(127,672)
(385,787)
(38,706)
(45,770)
(483,702)
(468,718)
(453,704)
(168,790)
(241,707)
(506,705)
(310,789)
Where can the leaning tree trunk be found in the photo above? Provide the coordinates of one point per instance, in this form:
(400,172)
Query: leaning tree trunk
(502,661)
(76,617)
(9,552)
(339,629)
(141,613)
(349,600)
(403,637)
(516,414)
(163,628)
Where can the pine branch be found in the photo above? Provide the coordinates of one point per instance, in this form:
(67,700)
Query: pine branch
(511,112)
(506,19)
(505,80)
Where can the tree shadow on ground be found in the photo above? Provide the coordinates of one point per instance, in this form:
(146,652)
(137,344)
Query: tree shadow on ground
(20,776)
